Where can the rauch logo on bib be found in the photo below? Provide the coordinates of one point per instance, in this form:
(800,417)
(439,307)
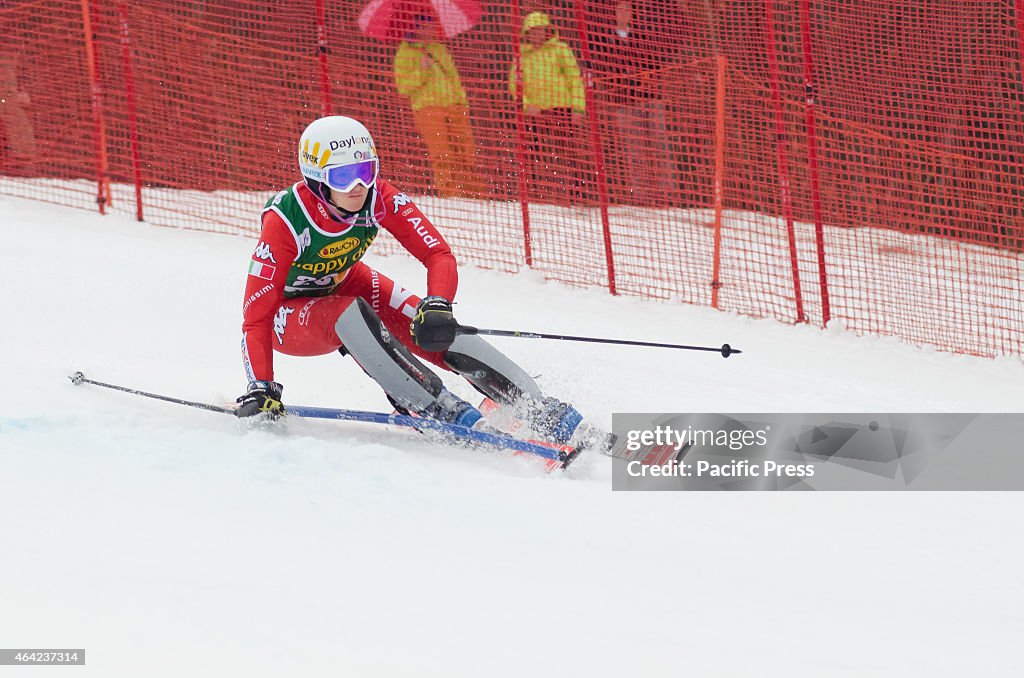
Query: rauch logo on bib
(336,249)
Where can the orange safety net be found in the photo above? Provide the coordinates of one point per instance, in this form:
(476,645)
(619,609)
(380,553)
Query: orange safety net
(835,161)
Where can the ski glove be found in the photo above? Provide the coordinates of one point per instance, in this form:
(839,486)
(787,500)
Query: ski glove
(433,326)
(262,396)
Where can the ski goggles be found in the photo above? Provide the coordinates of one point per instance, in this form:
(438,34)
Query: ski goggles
(345,177)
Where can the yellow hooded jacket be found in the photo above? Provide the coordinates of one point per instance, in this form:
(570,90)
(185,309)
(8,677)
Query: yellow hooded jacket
(438,85)
(551,76)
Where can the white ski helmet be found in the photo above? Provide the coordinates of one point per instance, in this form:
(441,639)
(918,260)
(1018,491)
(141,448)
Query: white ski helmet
(337,152)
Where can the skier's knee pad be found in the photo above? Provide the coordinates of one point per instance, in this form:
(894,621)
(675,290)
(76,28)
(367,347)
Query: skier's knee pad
(489,370)
(408,382)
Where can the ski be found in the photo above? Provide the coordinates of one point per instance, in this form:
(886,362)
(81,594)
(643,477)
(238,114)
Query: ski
(562,455)
(555,456)
(566,453)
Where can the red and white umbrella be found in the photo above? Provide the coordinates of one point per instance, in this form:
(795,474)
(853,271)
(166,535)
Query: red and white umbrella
(392,19)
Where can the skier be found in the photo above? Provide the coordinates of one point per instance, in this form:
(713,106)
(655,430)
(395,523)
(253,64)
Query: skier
(308,293)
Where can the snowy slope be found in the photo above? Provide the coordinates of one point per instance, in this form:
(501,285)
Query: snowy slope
(168,542)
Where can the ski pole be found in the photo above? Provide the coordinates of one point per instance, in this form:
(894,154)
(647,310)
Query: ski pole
(559,454)
(79,378)
(726,350)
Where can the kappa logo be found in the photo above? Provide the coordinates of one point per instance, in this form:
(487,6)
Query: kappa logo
(280,321)
(263,252)
(400,200)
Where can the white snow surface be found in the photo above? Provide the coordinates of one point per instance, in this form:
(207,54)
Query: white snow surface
(169,542)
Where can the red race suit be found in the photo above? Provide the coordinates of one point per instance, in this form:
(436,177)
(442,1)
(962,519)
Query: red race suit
(294,323)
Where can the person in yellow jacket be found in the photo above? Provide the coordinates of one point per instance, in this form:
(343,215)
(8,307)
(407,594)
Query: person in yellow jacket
(554,104)
(426,73)
(551,75)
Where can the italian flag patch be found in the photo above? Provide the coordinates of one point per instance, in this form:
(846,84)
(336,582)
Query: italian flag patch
(261,270)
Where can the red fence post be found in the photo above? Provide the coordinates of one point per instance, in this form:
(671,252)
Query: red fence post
(594,136)
(812,156)
(133,127)
(321,48)
(719,180)
(517,20)
(785,192)
(92,64)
